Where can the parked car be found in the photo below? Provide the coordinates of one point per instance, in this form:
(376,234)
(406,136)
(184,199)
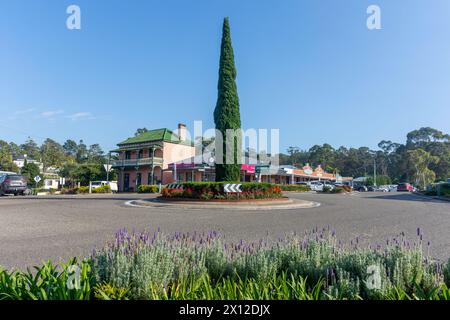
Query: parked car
(405,187)
(392,188)
(12,184)
(329,184)
(316,186)
(360,188)
(378,189)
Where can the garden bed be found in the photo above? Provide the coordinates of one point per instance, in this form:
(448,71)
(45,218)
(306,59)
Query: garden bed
(209,191)
(282,200)
(193,266)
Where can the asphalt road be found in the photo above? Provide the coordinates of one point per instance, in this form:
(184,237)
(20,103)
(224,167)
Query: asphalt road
(36,229)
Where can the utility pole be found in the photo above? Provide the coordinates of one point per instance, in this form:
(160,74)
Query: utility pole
(374,172)
(108,168)
(175,178)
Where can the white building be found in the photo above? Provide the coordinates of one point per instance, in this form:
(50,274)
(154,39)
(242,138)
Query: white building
(20,162)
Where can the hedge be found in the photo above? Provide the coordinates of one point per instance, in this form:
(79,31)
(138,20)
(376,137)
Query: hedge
(148,189)
(215,190)
(101,189)
(295,187)
(327,189)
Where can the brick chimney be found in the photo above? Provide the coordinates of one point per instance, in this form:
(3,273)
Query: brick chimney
(182,131)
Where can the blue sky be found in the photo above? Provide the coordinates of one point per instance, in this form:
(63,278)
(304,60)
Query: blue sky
(310,68)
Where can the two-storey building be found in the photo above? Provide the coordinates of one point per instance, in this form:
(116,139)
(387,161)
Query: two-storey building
(145,159)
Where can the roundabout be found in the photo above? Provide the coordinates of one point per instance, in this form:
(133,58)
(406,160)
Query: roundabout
(260,204)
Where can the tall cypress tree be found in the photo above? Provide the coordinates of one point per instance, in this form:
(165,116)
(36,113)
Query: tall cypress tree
(226,113)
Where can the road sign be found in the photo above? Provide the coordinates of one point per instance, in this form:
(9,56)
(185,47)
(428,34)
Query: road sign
(232,187)
(175,186)
(37,179)
(107,167)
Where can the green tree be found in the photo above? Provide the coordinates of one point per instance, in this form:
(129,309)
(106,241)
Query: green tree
(6,158)
(16,150)
(96,154)
(88,172)
(381,180)
(420,160)
(31,149)
(322,155)
(140,131)
(71,148)
(29,171)
(82,152)
(52,154)
(227,114)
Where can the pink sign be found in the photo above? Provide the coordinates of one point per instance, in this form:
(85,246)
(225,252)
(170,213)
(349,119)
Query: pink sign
(249,168)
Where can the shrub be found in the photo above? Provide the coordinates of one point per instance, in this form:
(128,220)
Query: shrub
(101,189)
(338,190)
(295,187)
(148,189)
(106,291)
(445,189)
(82,190)
(68,190)
(215,190)
(46,283)
(200,266)
(327,189)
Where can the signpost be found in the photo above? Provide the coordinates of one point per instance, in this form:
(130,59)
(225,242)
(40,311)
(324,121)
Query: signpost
(107,169)
(232,187)
(175,186)
(37,179)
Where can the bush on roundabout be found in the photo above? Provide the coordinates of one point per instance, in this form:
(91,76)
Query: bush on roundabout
(148,188)
(295,187)
(102,189)
(215,190)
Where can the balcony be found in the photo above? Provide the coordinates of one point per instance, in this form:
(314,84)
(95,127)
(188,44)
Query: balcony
(138,162)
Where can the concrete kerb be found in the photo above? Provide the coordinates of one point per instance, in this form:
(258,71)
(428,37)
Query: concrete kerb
(256,205)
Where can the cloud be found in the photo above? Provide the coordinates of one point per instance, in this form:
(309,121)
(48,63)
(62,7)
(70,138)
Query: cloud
(51,114)
(81,115)
(24,111)
(18,113)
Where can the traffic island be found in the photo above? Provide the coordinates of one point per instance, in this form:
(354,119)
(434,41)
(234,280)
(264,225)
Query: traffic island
(279,204)
(241,196)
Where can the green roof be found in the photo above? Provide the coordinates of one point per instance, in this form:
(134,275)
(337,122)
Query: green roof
(163,134)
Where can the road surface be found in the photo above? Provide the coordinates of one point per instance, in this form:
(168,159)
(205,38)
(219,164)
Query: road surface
(58,227)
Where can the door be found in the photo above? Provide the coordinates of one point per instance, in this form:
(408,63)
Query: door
(138,179)
(126,182)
